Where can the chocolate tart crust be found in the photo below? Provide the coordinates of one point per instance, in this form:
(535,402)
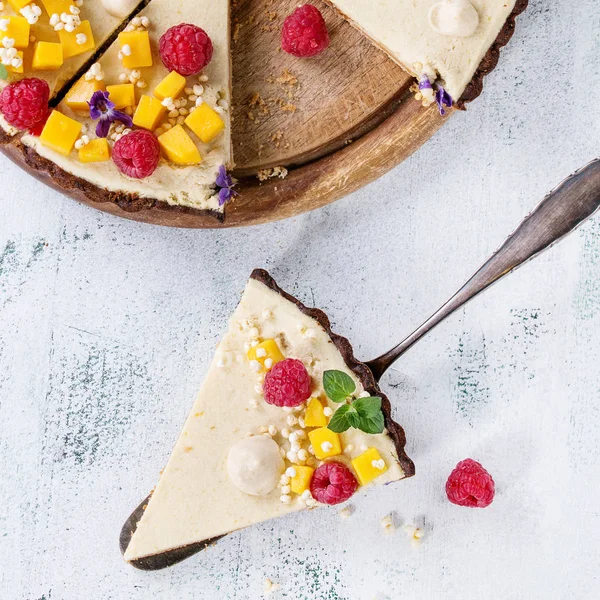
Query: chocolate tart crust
(488,62)
(395,431)
(51,174)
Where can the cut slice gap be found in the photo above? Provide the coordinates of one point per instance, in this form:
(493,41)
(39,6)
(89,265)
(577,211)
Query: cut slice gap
(59,95)
(195,503)
(180,187)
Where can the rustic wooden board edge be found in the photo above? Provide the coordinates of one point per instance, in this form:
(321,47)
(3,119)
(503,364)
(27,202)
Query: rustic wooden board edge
(307,188)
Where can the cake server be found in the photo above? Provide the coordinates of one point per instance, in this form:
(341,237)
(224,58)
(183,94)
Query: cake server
(562,211)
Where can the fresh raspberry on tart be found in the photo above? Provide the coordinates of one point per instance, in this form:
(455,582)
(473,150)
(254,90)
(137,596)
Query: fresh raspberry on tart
(287,383)
(186,49)
(24,103)
(137,154)
(333,483)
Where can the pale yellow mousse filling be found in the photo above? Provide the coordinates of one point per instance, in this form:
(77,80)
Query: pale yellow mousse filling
(445,40)
(200,494)
(184,185)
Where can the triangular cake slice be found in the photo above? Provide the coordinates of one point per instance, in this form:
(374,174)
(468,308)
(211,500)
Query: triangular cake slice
(53,39)
(241,460)
(189,116)
(439,42)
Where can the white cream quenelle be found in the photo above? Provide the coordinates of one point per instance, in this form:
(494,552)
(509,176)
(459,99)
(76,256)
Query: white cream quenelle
(456,18)
(119,8)
(254,465)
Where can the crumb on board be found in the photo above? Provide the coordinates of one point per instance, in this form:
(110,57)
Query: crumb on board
(265,174)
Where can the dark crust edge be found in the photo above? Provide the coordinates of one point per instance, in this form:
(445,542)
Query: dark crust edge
(51,174)
(488,62)
(395,431)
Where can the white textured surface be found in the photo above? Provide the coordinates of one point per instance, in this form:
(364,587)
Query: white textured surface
(106,328)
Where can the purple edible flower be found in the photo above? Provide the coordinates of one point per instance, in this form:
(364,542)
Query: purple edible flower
(102,108)
(424,83)
(442,98)
(225,183)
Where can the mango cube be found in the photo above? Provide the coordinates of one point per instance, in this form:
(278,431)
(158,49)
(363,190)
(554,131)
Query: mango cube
(60,133)
(121,95)
(301,481)
(57,6)
(77,42)
(369,465)
(17,5)
(171,86)
(18,29)
(135,49)
(315,415)
(267,350)
(80,94)
(19,69)
(179,146)
(149,113)
(325,442)
(95,151)
(47,56)
(205,122)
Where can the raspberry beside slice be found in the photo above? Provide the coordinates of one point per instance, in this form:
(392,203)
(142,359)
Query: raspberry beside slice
(186,49)
(287,383)
(470,485)
(25,103)
(137,154)
(304,32)
(333,483)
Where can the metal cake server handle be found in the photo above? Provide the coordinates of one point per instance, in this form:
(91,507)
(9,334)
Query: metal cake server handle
(558,214)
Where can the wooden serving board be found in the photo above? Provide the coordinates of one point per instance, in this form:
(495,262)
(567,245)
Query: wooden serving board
(336,122)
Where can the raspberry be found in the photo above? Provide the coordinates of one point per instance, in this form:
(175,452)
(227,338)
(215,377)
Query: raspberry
(470,485)
(186,49)
(287,383)
(304,32)
(332,483)
(25,103)
(137,154)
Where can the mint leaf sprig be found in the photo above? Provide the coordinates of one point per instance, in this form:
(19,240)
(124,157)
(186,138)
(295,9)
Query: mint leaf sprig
(361,413)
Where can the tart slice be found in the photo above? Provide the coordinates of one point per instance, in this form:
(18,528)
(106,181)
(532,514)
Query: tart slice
(270,432)
(448,45)
(53,39)
(149,123)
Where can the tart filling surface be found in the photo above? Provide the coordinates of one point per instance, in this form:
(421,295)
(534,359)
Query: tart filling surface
(240,459)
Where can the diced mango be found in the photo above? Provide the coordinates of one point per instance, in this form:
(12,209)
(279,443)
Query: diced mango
(301,481)
(121,95)
(17,5)
(96,150)
(179,146)
(60,133)
(80,94)
(19,69)
(149,113)
(47,56)
(57,6)
(18,29)
(266,350)
(315,415)
(135,48)
(70,40)
(369,465)
(205,122)
(171,86)
(325,442)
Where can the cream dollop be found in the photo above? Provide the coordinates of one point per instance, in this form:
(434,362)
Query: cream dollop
(119,8)
(254,465)
(456,18)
